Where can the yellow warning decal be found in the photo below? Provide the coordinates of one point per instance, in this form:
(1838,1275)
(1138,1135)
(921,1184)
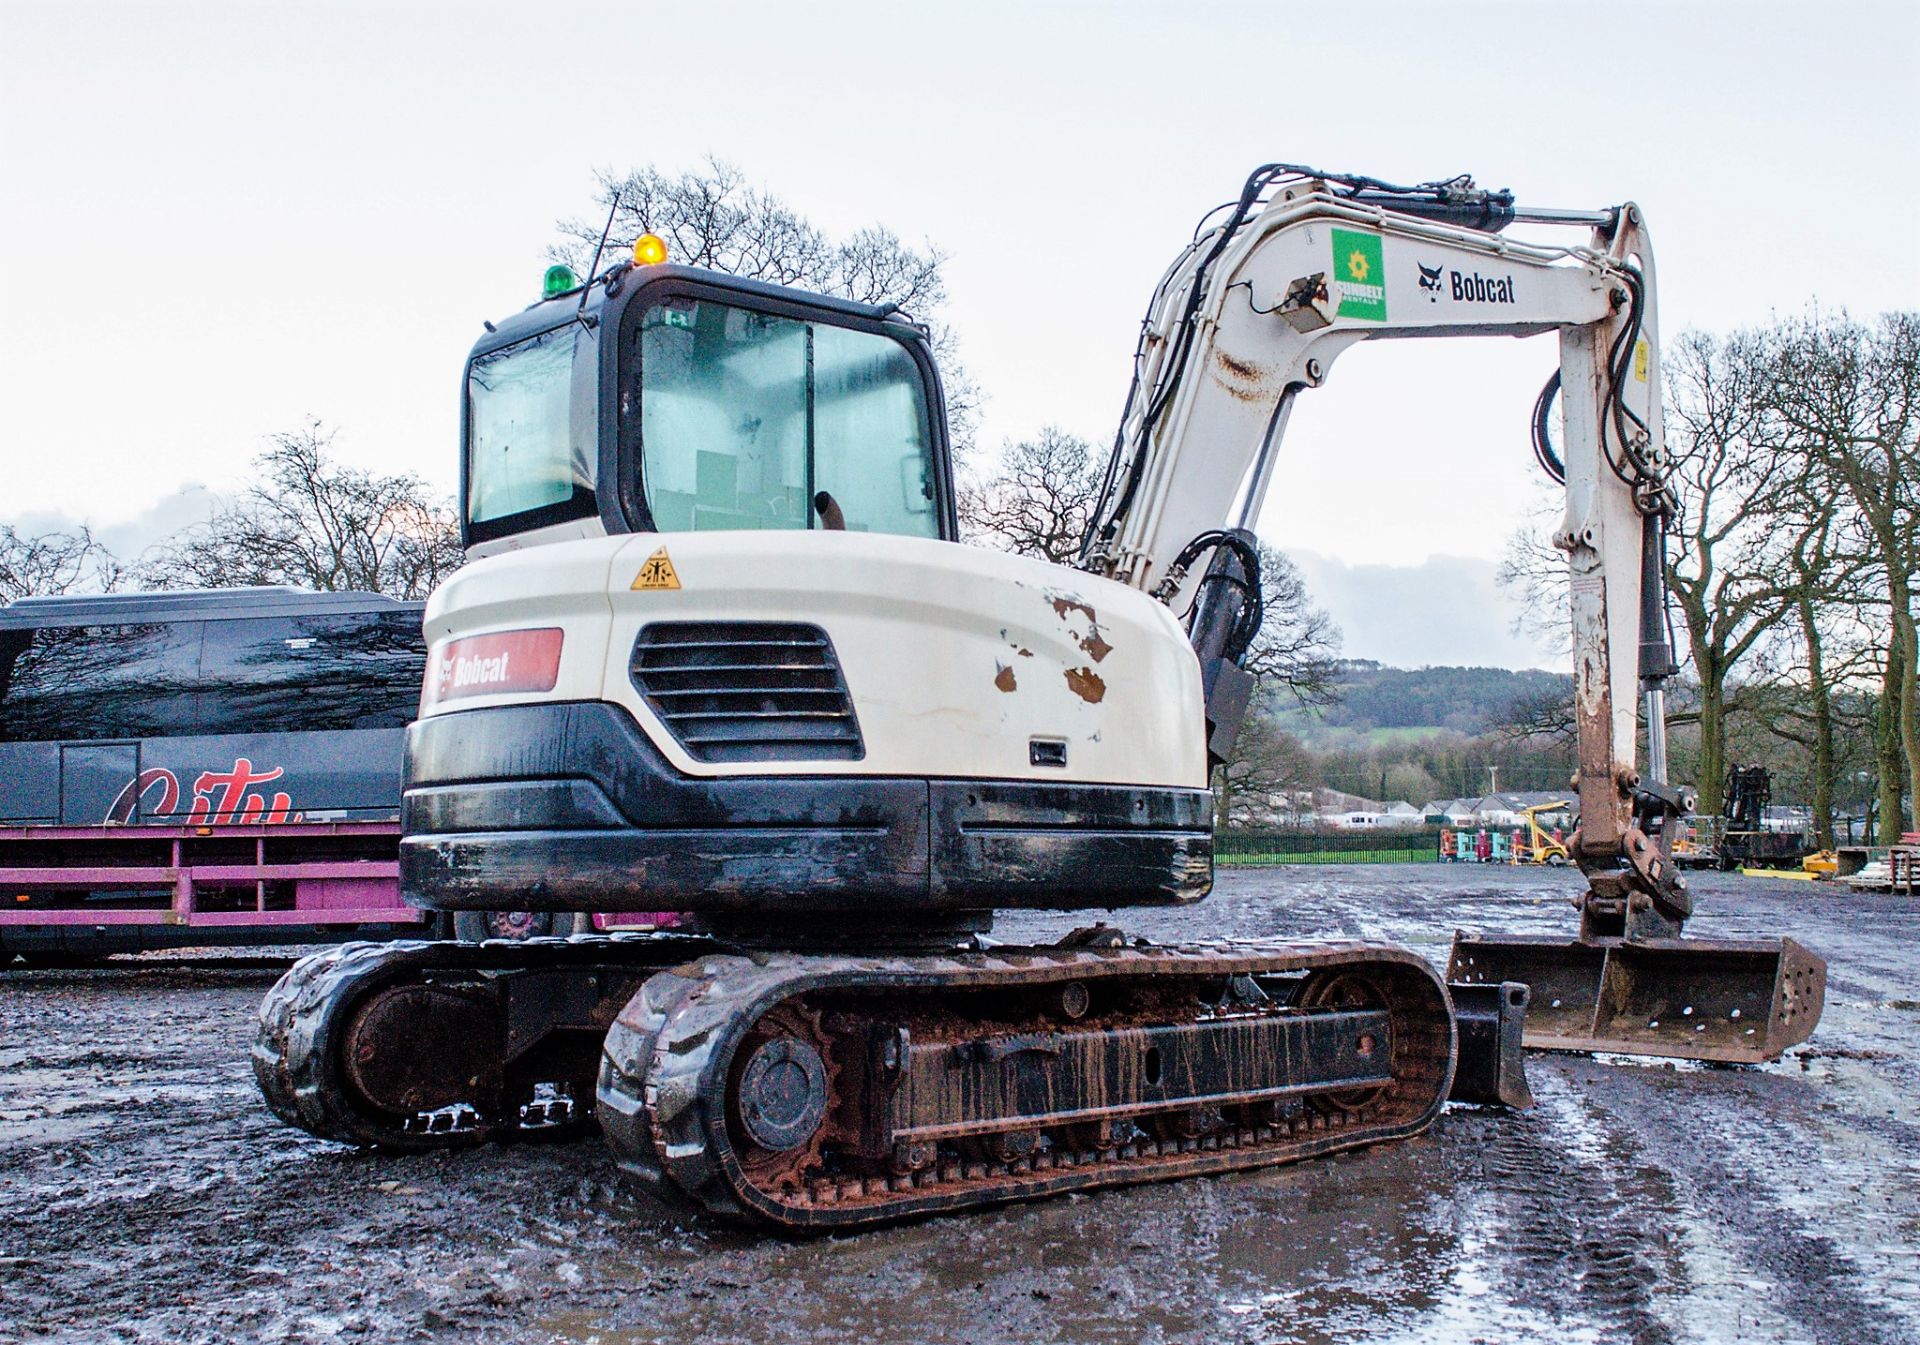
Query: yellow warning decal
(657,572)
(1640,356)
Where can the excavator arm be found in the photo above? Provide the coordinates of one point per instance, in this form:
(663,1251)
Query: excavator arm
(1255,310)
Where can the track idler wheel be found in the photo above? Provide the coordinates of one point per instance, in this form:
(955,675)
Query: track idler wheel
(782,1089)
(389,1072)
(433,1045)
(1345,989)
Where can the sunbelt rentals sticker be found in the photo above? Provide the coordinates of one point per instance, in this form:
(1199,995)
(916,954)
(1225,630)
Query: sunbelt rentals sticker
(1361,273)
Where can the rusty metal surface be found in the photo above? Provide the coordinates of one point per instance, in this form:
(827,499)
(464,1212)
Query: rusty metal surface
(417,1045)
(462,1022)
(953,1089)
(1728,1000)
(932,1115)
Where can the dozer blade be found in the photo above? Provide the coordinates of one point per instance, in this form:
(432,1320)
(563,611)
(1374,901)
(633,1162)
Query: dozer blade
(1489,1027)
(1736,1001)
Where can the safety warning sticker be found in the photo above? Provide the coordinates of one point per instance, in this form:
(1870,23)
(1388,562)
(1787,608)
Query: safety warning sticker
(658,572)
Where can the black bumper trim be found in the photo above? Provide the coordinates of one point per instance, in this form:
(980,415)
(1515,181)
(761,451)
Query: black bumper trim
(569,806)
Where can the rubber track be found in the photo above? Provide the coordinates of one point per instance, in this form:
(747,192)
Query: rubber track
(304,1014)
(666,1059)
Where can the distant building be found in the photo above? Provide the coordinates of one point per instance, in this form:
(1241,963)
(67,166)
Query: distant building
(1507,809)
(1494,810)
(1346,812)
(1272,808)
(1451,813)
(1502,811)
(1400,813)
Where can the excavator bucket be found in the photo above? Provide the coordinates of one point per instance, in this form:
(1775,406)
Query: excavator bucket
(1734,1001)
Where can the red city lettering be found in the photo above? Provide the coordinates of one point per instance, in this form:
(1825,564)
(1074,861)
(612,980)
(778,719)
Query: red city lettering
(128,799)
(233,786)
(218,796)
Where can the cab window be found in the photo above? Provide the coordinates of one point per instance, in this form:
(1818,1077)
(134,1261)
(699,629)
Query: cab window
(530,440)
(755,420)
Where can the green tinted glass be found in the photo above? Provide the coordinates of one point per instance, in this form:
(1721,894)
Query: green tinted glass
(521,450)
(746,417)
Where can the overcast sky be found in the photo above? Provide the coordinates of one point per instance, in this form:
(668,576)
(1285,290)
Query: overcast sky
(219,220)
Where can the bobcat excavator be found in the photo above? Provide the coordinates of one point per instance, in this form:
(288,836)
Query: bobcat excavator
(719,652)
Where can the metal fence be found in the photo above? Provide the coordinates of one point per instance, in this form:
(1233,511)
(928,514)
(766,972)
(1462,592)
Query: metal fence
(1255,848)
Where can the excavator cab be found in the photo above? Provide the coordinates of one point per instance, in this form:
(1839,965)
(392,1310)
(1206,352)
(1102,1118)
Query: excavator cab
(723,656)
(674,400)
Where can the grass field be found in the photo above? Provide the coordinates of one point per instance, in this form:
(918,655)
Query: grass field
(1337,737)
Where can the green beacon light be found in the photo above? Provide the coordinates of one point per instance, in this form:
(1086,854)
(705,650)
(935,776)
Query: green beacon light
(559,280)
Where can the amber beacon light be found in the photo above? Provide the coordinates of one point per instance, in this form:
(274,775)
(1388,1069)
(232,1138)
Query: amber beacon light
(649,250)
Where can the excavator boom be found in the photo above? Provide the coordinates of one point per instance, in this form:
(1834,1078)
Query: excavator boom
(1302,268)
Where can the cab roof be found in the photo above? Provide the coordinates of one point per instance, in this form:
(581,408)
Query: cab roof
(546,314)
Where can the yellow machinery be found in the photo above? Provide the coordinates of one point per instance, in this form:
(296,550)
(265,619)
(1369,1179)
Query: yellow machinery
(1823,864)
(1540,845)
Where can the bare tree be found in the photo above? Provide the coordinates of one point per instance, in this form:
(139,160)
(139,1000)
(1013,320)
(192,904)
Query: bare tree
(315,523)
(1533,572)
(1722,566)
(1544,714)
(1040,502)
(712,217)
(1818,649)
(53,562)
(1847,398)
(1297,651)
(1269,768)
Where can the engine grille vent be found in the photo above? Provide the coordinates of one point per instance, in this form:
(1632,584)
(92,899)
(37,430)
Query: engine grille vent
(748,690)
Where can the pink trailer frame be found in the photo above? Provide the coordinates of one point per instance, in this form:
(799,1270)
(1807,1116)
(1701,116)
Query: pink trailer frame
(327,890)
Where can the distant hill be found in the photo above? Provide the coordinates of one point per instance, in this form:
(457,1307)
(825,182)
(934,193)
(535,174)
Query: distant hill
(1377,702)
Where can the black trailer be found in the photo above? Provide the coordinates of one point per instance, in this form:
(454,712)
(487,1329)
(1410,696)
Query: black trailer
(218,766)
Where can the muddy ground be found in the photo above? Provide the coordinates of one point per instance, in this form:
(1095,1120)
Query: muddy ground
(146,1195)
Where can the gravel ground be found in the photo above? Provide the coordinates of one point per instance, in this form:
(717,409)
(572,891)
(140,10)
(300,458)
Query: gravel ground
(146,1194)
